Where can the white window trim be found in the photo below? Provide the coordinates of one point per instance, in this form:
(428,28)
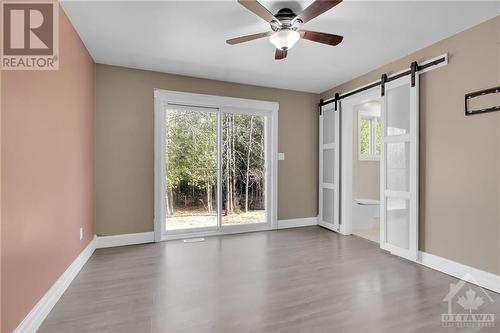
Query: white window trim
(224,104)
(373,138)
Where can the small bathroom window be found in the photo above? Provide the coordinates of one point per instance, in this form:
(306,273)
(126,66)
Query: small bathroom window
(369,130)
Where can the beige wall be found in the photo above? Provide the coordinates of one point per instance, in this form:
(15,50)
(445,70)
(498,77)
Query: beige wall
(365,174)
(124,145)
(459,156)
(47,176)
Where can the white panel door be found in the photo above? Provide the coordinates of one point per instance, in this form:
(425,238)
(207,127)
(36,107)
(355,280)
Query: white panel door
(399,169)
(329,168)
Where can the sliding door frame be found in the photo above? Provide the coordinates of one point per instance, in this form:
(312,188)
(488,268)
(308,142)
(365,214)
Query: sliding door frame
(269,110)
(347,106)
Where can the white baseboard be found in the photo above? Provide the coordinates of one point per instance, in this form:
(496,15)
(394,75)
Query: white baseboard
(295,223)
(37,315)
(125,239)
(476,276)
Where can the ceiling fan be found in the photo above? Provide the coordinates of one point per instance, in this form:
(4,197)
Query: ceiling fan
(286,26)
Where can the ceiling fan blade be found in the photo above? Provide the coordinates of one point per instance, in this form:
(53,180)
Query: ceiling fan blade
(248,38)
(255,7)
(317,8)
(321,37)
(280,54)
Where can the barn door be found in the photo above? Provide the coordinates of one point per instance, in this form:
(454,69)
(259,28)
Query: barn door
(329,198)
(399,168)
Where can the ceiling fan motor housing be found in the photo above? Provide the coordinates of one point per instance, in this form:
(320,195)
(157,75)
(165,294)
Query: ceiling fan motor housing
(286,20)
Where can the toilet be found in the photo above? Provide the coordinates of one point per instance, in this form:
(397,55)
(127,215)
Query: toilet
(365,212)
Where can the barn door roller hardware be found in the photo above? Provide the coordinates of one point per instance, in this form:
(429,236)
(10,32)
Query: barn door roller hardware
(470,96)
(337,99)
(414,68)
(383,80)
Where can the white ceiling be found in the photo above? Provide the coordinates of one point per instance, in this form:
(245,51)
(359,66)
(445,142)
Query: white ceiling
(188,37)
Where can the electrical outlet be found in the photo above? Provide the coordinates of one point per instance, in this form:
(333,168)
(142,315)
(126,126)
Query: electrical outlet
(81,233)
(281,156)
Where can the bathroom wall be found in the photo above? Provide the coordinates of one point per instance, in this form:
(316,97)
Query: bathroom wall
(365,174)
(459,213)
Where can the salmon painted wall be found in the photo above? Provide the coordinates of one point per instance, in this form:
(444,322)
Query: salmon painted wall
(47,188)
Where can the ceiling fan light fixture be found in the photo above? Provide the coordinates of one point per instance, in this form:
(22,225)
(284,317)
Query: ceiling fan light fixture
(284,39)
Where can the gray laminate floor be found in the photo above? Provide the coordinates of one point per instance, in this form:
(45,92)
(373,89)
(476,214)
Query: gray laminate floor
(295,280)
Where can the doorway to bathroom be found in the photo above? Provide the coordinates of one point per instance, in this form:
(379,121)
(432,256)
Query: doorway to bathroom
(367,148)
(361,149)
(378,166)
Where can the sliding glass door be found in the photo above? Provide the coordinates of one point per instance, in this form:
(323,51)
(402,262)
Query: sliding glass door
(191,192)
(213,168)
(243,169)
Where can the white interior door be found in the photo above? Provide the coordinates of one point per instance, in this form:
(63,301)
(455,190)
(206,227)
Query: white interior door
(329,168)
(399,168)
